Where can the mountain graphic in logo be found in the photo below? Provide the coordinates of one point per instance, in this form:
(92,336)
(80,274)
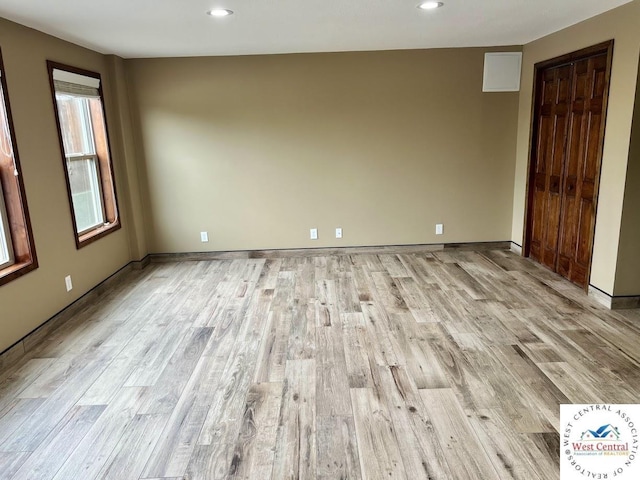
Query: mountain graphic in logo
(605,432)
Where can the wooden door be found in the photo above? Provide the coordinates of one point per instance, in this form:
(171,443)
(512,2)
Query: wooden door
(569,115)
(582,168)
(553,115)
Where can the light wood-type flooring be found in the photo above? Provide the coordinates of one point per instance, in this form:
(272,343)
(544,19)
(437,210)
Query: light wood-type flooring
(446,364)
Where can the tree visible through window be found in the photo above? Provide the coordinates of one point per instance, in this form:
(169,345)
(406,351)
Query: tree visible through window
(83,137)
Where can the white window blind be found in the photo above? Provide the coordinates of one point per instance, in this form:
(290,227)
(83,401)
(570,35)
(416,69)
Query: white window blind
(76,84)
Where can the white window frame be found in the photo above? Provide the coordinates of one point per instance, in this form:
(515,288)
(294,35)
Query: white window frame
(7,257)
(6,247)
(96,188)
(95,181)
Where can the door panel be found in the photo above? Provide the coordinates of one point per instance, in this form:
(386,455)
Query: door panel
(581,168)
(553,119)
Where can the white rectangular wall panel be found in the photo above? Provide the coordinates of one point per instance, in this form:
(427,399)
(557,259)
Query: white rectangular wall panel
(502,72)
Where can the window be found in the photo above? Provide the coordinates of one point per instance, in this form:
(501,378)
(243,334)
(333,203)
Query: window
(17,253)
(84,142)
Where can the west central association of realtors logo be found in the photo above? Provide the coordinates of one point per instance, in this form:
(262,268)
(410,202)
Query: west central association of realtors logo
(605,432)
(599,441)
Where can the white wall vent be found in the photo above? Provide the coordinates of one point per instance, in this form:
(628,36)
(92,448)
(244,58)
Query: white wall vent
(502,71)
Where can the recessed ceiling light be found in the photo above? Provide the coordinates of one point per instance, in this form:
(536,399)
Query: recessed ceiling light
(220,12)
(430,5)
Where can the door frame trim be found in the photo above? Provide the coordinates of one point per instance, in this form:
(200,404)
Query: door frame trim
(604,47)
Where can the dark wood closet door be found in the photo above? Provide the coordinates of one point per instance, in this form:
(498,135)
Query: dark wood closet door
(569,116)
(582,167)
(554,107)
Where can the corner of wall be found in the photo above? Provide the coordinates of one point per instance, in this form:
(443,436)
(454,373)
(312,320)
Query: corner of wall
(627,282)
(128,158)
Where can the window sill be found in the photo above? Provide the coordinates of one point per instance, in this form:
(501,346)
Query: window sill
(17,270)
(96,234)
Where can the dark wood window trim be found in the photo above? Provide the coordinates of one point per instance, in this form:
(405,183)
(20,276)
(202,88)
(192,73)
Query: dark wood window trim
(107,177)
(24,252)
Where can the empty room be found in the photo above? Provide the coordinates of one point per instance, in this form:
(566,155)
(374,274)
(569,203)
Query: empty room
(319,240)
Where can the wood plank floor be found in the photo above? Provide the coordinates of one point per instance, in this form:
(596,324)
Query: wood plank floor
(431,365)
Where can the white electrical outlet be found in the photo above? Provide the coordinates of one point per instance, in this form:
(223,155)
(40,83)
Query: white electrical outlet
(338,232)
(204,237)
(313,234)
(439,229)
(68,283)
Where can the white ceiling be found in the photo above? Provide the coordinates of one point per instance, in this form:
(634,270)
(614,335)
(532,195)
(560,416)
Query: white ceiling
(166,28)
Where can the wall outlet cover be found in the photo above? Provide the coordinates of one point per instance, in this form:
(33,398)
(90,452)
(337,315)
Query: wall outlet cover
(204,237)
(338,232)
(439,229)
(313,234)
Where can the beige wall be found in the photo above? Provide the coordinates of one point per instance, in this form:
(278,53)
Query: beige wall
(621,24)
(257,150)
(124,144)
(30,300)
(628,271)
